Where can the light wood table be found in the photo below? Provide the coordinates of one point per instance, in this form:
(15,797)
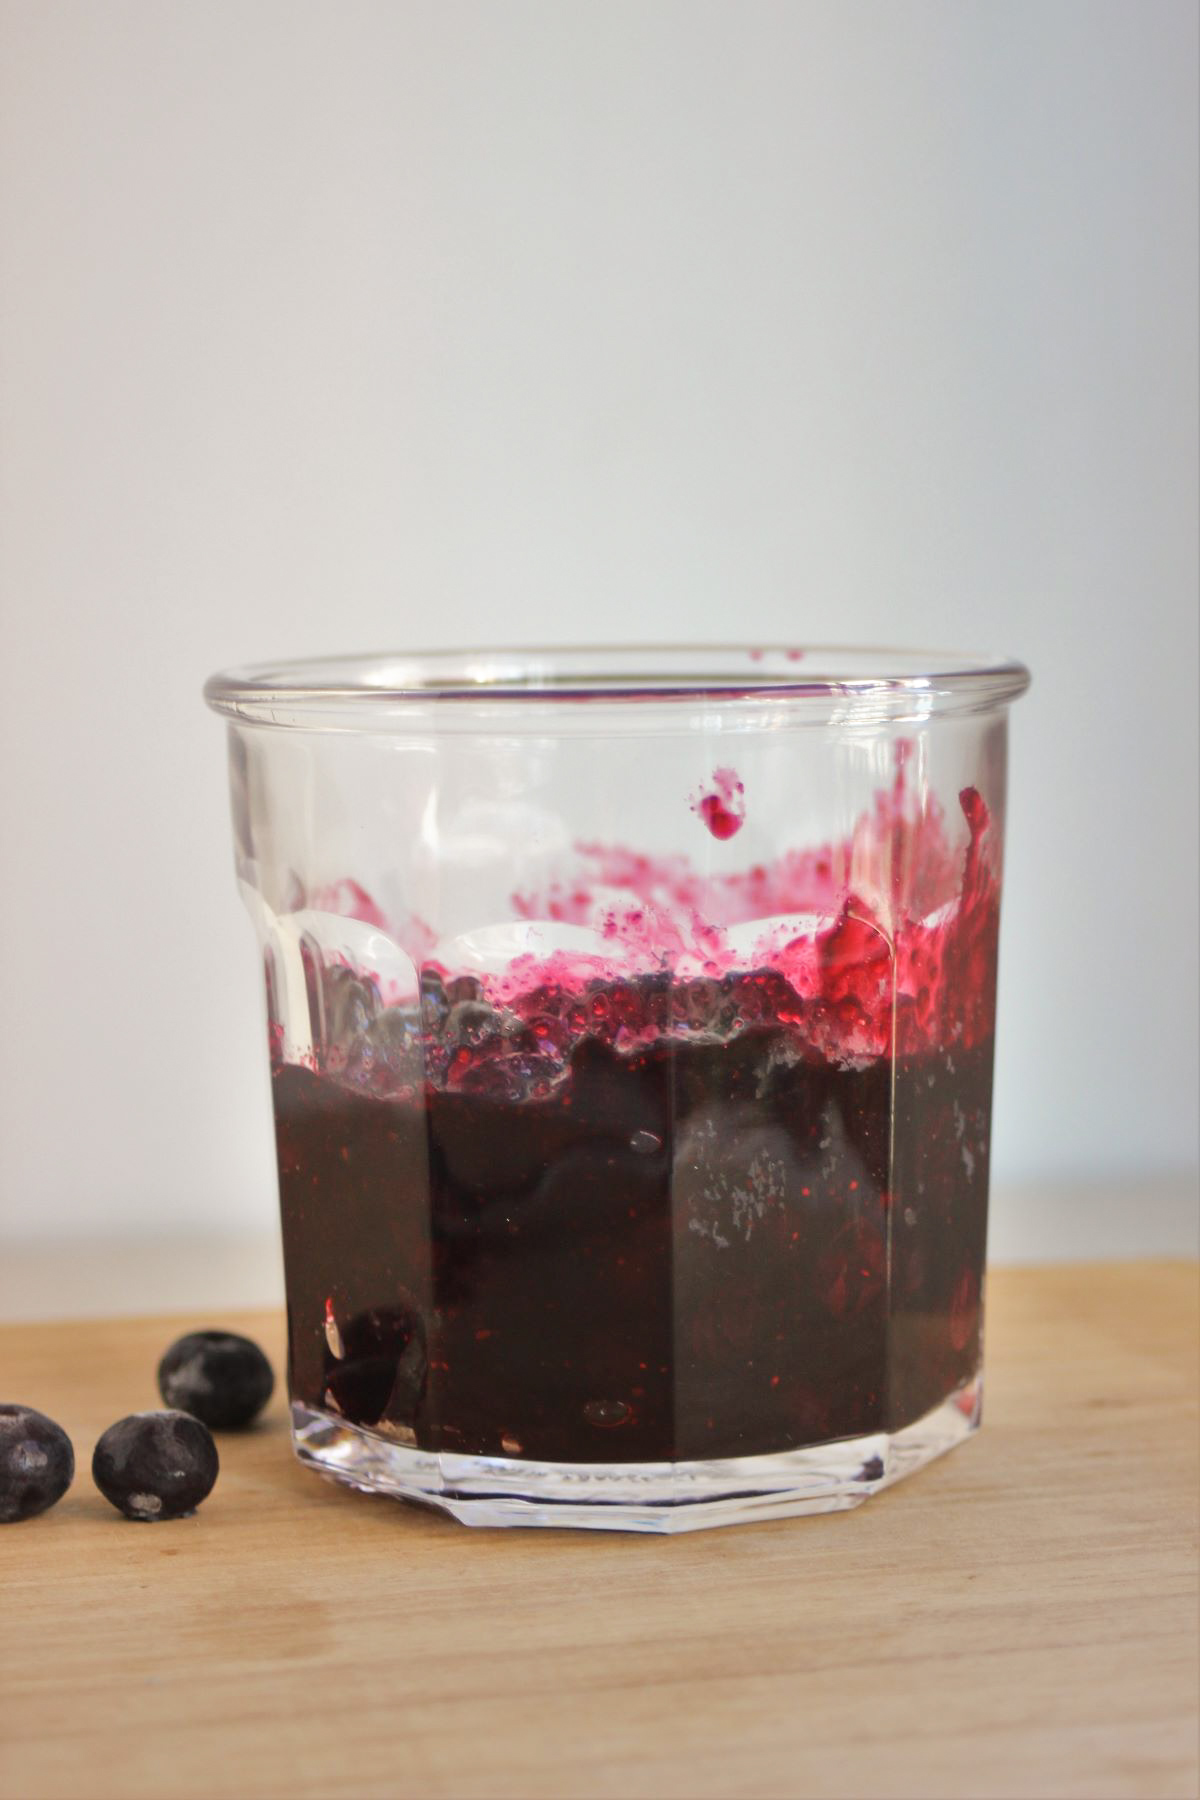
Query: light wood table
(1018,1619)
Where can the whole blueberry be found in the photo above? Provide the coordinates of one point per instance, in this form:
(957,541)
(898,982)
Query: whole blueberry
(37,1463)
(218,1377)
(375,1363)
(155,1465)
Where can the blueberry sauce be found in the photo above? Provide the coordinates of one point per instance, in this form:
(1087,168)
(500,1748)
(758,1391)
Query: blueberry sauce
(642,1214)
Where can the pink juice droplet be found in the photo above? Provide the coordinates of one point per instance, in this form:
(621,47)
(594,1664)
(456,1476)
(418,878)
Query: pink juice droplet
(723,806)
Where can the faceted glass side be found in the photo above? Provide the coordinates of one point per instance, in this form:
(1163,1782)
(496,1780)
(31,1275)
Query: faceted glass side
(629,1189)
(675,1272)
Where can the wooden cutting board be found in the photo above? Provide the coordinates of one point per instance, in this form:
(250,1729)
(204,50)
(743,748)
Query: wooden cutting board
(1018,1619)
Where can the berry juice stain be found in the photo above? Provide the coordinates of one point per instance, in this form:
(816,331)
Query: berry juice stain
(598,1211)
(722,805)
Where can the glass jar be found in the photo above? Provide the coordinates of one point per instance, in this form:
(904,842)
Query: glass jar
(631,1018)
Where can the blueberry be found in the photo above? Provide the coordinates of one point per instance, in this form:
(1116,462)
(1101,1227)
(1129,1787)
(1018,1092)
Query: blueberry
(434,1003)
(349,1007)
(387,1057)
(155,1465)
(376,1363)
(218,1377)
(473,1022)
(37,1463)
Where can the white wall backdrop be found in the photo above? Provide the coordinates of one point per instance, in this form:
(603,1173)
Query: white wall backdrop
(367,325)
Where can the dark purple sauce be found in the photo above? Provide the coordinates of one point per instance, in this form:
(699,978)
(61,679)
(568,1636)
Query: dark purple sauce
(587,1217)
(697,1250)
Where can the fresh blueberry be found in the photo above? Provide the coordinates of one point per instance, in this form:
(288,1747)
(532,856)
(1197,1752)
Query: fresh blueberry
(37,1463)
(217,1376)
(155,1465)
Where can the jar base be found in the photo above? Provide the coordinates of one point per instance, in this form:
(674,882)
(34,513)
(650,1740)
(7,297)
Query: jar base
(657,1497)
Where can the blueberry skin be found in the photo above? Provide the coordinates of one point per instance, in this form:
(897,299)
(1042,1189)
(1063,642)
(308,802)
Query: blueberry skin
(155,1465)
(37,1463)
(217,1376)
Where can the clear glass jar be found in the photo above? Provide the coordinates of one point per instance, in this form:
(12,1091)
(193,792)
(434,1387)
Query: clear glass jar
(631,1022)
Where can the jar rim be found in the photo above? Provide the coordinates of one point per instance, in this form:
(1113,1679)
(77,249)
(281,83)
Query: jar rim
(289,692)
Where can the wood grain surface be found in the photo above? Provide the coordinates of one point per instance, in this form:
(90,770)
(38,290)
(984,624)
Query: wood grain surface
(1018,1619)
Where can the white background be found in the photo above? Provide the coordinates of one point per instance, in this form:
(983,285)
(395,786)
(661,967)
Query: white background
(352,325)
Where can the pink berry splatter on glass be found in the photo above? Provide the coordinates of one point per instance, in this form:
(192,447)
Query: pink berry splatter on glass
(722,805)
